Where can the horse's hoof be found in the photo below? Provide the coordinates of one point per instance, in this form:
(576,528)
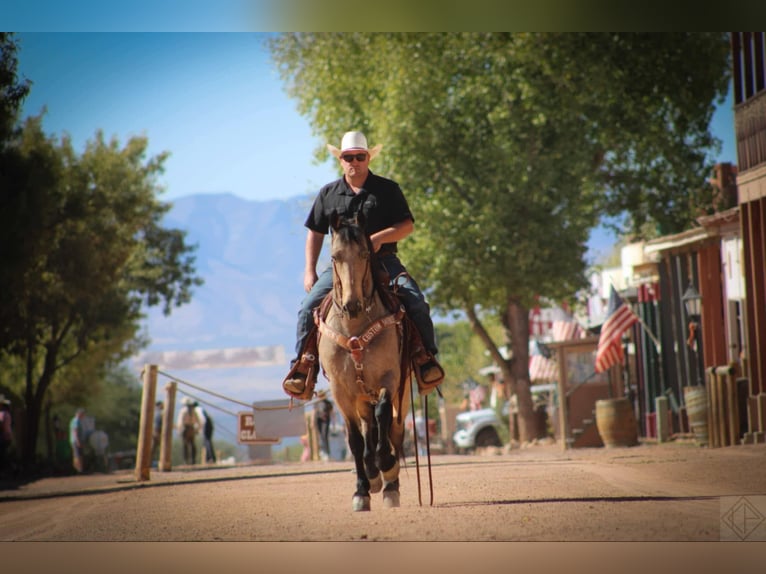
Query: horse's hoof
(360,503)
(390,499)
(376,484)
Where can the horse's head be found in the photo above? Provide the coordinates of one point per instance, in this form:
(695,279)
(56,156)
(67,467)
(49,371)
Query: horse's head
(352,277)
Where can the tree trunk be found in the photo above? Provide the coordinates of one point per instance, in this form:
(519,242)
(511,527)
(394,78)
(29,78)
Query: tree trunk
(33,399)
(516,322)
(32,416)
(516,369)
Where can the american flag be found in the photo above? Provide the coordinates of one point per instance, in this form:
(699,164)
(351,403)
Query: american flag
(619,318)
(543,369)
(566,330)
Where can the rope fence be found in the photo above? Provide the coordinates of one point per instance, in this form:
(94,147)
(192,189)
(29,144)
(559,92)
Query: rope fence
(145,447)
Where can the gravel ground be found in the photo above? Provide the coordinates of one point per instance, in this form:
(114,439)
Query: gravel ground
(536,509)
(669,492)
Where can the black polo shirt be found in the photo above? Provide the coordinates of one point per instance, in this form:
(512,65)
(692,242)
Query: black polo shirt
(382,202)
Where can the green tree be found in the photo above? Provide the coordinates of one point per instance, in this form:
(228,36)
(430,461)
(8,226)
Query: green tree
(83,251)
(511,147)
(12,90)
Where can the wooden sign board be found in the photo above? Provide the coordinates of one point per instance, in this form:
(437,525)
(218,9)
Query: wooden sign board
(270,421)
(246,430)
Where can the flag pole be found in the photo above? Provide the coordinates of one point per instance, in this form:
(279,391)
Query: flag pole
(646,328)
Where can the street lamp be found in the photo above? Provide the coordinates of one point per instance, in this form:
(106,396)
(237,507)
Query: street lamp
(693,303)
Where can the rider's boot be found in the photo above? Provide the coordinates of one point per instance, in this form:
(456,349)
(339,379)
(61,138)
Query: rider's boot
(428,371)
(300,381)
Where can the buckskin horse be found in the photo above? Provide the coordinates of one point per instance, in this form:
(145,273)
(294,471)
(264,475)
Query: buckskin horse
(361,352)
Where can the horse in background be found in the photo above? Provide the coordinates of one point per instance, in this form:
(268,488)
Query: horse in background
(361,351)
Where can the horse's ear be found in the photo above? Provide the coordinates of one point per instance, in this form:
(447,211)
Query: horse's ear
(360,219)
(334,220)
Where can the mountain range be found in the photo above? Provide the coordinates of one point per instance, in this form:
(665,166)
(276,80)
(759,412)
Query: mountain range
(250,255)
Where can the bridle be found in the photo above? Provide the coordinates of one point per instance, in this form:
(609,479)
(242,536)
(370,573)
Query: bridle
(368,288)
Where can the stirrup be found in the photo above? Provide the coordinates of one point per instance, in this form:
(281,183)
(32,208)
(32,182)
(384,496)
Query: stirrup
(420,359)
(304,369)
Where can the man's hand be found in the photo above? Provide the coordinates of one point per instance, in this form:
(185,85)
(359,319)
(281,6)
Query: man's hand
(309,278)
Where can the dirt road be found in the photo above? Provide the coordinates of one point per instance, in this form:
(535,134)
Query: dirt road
(669,492)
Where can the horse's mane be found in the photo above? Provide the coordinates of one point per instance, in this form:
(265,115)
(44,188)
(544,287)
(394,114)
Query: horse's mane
(351,232)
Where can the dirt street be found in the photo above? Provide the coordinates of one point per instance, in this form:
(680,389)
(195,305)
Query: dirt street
(668,492)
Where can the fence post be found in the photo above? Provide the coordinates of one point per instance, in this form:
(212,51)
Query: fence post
(712,408)
(661,420)
(166,444)
(144,450)
(732,404)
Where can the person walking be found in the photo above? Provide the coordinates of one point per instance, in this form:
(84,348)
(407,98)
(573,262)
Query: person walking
(77,440)
(159,408)
(388,220)
(6,432)
(323,411)
(207,432)
(188,425)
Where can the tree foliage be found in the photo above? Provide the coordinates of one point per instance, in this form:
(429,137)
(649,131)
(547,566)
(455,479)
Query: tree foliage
(511,147)
(84,251)
(12,89)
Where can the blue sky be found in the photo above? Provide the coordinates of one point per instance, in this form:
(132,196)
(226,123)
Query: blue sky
(213,100)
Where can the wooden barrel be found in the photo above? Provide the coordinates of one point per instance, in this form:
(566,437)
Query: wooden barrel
(696,411)
(616,422)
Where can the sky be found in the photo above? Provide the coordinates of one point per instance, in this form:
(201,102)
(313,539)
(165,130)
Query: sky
(213,100)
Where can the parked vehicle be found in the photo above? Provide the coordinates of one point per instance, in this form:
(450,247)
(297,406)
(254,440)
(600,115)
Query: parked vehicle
(476,429)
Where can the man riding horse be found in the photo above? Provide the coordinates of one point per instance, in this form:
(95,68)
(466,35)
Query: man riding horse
(388,219)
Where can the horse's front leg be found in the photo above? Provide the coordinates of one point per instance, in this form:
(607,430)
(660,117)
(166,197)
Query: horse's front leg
(385,453)
(370,432)
(356,442)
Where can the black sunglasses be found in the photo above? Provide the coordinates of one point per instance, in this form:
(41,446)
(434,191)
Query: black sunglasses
(354,156)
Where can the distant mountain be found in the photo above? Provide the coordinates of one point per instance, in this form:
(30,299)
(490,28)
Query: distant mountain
(250,255)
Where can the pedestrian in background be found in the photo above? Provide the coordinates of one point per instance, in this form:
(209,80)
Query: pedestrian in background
(207,432)
(323,411)
(6,432)
(159,408)
(98,441)
(188,425)
(77,440)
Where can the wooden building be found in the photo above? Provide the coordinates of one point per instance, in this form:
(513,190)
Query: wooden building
(749,77)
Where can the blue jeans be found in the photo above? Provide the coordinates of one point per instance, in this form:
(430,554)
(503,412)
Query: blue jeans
(409,293)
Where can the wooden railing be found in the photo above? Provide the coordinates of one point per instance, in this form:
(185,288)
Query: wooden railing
(723,406)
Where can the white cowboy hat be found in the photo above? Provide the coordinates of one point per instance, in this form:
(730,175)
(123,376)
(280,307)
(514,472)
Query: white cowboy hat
(187,401)
(354,141)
